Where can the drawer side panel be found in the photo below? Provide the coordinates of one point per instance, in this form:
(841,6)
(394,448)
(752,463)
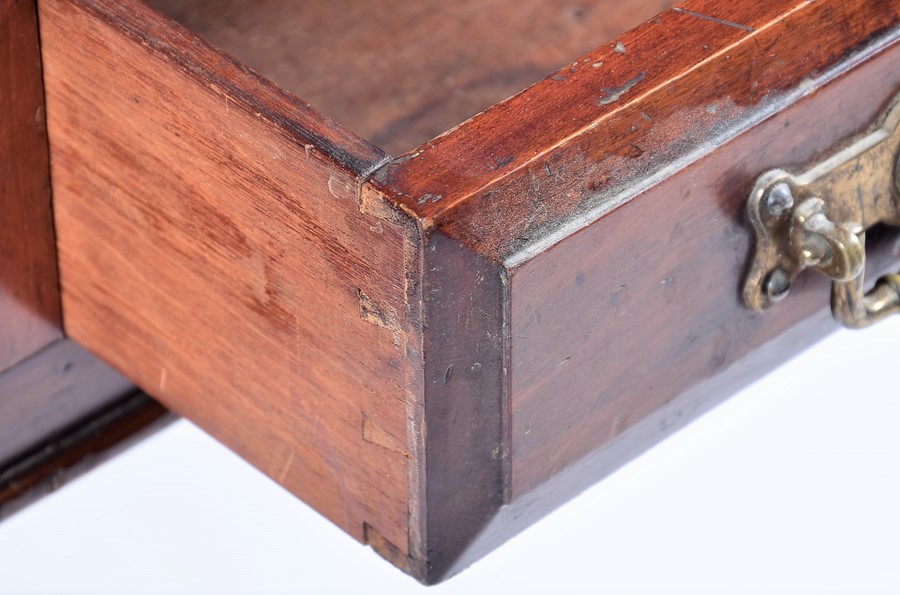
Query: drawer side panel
(213,249)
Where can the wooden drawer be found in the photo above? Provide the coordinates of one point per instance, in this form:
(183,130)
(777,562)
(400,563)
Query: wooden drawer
(434,350)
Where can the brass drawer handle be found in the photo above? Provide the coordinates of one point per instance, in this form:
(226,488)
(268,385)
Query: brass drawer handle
(817,219)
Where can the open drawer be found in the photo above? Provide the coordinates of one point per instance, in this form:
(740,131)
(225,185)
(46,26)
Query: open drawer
(434,350)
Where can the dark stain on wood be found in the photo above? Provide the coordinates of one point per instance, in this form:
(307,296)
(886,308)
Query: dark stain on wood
(465,410)
(78,449)
(52,390)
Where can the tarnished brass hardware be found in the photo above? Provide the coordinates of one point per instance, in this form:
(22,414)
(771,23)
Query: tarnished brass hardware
(816,218)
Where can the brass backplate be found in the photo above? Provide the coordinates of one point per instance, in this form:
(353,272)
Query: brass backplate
(816,217)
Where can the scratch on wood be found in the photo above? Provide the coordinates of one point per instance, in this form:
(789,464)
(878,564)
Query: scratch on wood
(286,468)
(617,425)
(613,94)
(429,197)
(163,376)
(714,19)
(501,163)
(339,188)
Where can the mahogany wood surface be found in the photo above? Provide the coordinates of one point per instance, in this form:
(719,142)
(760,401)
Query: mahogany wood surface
(611,198)
(436,350)
(399,72)
(50,391)
(535,168)
(465,464)
(213,248)
(29,294)
(646,300)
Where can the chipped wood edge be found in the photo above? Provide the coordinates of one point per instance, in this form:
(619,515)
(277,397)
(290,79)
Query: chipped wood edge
(408,330)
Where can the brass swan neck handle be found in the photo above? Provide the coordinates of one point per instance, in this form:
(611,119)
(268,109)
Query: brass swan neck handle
(816,219)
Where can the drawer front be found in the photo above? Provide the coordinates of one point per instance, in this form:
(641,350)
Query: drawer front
(648,297)
(610,201)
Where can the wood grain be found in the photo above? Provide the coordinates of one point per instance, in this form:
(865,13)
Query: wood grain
(647,298)
(29,294)
(399,73)
(213,248)
(52,390)
(537,167)
(610,198)
(435,356)
(465,463)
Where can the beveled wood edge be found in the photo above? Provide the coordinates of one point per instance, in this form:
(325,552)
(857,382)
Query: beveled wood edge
(398,180)
(466,400)
(428,163)
(78,450)
(441,181)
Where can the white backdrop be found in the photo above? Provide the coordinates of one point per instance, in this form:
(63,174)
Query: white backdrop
(791,487)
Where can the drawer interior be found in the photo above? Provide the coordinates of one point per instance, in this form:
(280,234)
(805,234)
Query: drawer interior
(399,73)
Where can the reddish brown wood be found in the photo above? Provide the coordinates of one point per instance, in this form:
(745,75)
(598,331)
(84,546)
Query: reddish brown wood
(397,72)
(548,161)
(623,318)
(646,297)
(79,449)
(49,386)
(435,356)
(29,295)
(50,391)
(465,420)
(213,248)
